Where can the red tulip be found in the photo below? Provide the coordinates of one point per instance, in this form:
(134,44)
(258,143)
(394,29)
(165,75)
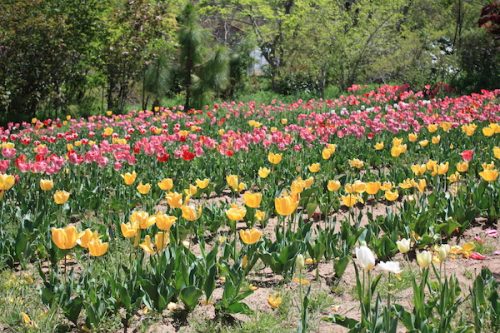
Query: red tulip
(467,155)
(187,155)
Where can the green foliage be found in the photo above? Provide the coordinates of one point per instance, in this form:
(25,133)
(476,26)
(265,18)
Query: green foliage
(83,58)
(47,51)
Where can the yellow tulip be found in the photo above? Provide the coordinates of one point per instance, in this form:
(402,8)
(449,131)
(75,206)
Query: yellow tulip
(128,230)
(333,185)
(421,185)
(418,169)
(189,213)
(97,248)
(391,195)
(396,151)
(252,200)
(372,188)
(423,143)
(356,163)
(332,147)
(326,153)
(250,236)
(144,188)
(286,205)
(284,121)
(453,178)
(85,237)
(232,181)
(488,131)
(432,128)
(274,301)
(192,190)
(65,238)
(462,166)
(46,184)
(315,167)
(108,131)
(202,184)
(386,186)
(61,197)
(489,175)
(142,219)
(496,152)
(236,213)
(488,166)
(6,182)
(407,184)
(174,200)
(162,239)
(264,172)
(412,137)
(397,141)
(166,184)
(260,215)
(469,129)
(164,221)
(129,178)
(359,187)
(436,139)
(379,146)
(308,182)
(297,186)
(443,168)
(147,245)
(431,165)
(274,158)
(350,200)
(445,126)
(242,187)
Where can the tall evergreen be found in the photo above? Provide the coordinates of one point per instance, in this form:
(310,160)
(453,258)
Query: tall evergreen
(204,70)
(191,37)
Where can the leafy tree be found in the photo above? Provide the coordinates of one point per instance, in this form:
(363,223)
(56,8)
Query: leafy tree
(46,52)
(131,27)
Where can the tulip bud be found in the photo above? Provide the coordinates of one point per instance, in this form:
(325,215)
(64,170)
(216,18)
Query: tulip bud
(299,262)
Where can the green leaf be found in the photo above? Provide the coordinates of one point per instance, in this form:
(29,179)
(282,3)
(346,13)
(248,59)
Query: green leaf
(190,296)
(239,308)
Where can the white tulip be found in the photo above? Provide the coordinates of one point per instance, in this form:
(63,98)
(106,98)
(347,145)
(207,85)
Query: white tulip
(299,262)
(365,257)
(390,266)
(443,251)
(424,259)
(403,245)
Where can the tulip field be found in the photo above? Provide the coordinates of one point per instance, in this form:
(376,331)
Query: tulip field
(374,212)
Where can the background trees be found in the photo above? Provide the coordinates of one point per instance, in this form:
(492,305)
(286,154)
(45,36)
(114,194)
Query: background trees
(89,56)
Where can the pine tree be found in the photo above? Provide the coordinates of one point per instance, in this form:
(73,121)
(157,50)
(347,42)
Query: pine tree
(204,72)
(191,37)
